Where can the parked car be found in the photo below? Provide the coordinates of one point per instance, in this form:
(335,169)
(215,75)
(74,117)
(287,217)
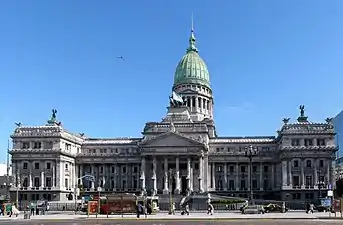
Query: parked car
(253,209)
(274,208)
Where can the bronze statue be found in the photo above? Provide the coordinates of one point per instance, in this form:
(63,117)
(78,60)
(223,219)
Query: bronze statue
(286,120)
(18,124)
(302,110)
(329,120)
(53,119)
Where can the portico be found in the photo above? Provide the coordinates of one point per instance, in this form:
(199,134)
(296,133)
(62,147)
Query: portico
(187,174)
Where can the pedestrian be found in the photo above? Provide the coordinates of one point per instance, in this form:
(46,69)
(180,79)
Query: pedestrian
(139,209)
(32,209)
(173,208)
(210,209)
(187,209)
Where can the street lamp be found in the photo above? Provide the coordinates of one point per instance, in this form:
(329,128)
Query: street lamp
(320,184)
(250,153)
(76,189)
(170,192)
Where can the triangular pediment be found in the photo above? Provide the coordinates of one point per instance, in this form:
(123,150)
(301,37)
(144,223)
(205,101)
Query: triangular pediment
(171,139)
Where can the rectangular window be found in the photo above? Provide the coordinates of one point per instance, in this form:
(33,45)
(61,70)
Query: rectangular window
(308,163)
(265,169)
(36,182)
(242,169)
(321,163)
(48,182)
(254,184)
(37,166)
(37,144)
(232,169)
(66,184)
(295,142)
(295,163)
(25,165)
(254,169)
(48,166)
(321,142)
(26,145)
(231,184)
(242,184)
(308,142)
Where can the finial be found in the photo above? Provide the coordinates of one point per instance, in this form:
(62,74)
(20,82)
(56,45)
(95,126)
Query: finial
(192,39)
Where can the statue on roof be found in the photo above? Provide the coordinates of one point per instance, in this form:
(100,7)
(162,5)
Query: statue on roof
(302,117)
(329,120)
(53,119)
(302,110)
(286,120)
(176,100)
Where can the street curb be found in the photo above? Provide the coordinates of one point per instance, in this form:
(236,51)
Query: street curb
(190,219)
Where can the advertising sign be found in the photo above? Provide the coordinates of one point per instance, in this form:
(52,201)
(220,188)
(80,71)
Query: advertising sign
(325,202)
(337,205)
(92,207)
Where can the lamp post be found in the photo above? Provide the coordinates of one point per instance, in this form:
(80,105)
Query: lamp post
(250,153)
(76,189)
(320,184)
(170,192)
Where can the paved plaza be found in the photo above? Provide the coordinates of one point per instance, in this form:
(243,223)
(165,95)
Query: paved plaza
(232,216)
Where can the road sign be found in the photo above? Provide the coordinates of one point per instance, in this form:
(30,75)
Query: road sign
(89,177)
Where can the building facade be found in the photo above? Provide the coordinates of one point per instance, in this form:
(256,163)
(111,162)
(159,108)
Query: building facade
(182,153)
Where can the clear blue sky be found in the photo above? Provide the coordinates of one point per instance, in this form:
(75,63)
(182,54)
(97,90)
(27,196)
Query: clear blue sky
(265,57)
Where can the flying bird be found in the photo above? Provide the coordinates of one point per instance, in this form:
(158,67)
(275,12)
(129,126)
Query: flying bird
(120,57)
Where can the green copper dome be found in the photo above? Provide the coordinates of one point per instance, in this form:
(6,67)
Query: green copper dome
(192,69)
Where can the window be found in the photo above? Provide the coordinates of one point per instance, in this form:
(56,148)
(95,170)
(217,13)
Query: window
(231,184)
(321,142)
(308,142)
(25,165)
(134,178)
(265,184)
(220,168)
(232,169)
(48,182)
(37,144)
(295,181)
(66,184)
(124,169)
(296,195)
(265,169)
(37,166)
(67,146)
(295,163)
(295,142)
(218,149)
(321,179)
(112,169)
(48,166)
(26,144)
(308,163)
(242,169)
(101,169)
(66,166)
(135,169)
(254,184)
(308,181)
(36,182)
(242,184)
(254,169)
(25,182)
(321,163)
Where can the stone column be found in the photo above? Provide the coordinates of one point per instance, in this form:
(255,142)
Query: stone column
(81,173)
(53,176)
(154,178)
(272,180)
(284,173)
(237,177)
(115,176)
(201,170)
(315,172)
(329,180)
(143,172)
(165,189)
(225,177)
(93,180)
(57,174)
(261,176)
(206,181)
(192,176)
(302,174)
(213,176)
(42,179)
(248,181)
(30,175)
(177,175)
(188,174)
(290,173)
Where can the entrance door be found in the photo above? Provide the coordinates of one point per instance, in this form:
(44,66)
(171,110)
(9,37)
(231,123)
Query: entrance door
(184,185)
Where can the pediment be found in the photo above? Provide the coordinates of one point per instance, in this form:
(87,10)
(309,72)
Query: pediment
(171,139)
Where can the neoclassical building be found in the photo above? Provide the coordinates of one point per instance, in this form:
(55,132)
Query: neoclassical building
(182,153)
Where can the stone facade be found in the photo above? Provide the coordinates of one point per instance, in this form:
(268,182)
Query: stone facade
(182,153)
(48,160)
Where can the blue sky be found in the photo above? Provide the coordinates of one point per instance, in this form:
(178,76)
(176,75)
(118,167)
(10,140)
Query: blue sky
(265,57)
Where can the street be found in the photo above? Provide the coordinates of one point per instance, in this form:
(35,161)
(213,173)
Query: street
(163,222)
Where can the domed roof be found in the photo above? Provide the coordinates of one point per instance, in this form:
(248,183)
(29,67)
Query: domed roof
(192,69)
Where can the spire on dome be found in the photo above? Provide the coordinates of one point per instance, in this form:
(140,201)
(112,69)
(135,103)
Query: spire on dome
(192,39)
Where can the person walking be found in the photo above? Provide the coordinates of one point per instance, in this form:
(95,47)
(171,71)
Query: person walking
(210,209)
